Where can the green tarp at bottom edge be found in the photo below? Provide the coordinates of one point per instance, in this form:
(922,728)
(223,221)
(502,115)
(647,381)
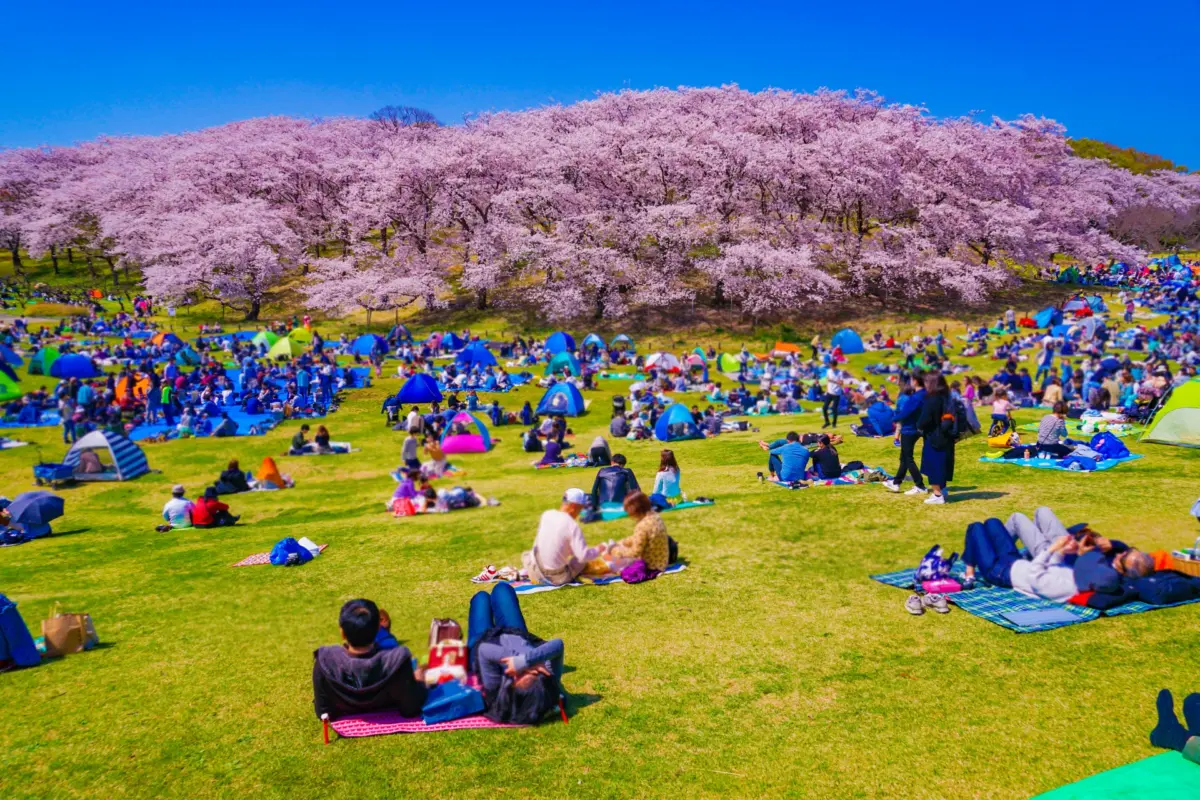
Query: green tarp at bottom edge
(1163,777)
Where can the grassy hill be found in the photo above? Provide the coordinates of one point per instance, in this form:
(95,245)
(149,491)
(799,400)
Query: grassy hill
(1124,157)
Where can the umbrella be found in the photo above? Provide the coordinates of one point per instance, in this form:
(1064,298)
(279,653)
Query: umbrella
(36,508)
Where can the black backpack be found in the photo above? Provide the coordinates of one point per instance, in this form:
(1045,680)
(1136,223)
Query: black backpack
(962,423)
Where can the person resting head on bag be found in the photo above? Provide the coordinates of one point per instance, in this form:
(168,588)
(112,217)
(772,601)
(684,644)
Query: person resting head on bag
(519,672)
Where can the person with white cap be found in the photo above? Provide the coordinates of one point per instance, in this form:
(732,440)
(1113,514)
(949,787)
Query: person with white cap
(560,553)
(178,510)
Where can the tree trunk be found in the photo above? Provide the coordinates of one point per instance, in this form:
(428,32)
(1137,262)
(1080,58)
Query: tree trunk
(91,266)
(16,257)
(719,293)
(368,320)
(112,267)
(481,299)
(345,248)
(383,234)
(54,258)
(255,308)
(70,255)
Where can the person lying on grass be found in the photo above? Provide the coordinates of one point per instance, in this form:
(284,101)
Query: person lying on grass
(359,676)
(1056,564)
(520,673)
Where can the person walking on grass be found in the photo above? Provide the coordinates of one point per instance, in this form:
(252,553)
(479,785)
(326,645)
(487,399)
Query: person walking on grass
(908,412)
(832,398)
(938,427)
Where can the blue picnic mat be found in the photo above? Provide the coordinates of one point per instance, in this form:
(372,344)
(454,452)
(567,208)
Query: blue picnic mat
(1041,463)
(533,588)
(993,603)
(609,513)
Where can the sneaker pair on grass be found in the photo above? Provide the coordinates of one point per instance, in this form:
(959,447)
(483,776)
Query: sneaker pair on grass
(892,486)
(917,604)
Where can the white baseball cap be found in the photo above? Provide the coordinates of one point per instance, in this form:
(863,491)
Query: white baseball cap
(575,496)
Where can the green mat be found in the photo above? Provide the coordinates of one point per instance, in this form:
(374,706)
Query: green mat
(1164,777)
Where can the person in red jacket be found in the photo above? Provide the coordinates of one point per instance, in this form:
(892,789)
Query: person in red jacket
(209,512)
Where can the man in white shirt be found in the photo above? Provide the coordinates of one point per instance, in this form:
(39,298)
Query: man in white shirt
(833,396)
(177,512)
(560,553)
(414,420)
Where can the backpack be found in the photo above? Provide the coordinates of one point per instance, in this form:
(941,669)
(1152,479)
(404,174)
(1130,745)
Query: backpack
(962,421)
(518,708)
(1108,445)
(289,552)
(934,566)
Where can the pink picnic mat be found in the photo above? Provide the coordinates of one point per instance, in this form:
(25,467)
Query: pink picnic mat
(384,723)
(258,559)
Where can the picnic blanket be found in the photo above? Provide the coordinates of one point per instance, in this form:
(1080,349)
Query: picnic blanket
(339,449)
(1018,612)
(48,419)
(855,477)
(1168,775)
(258,559)
(1120,430)
(385,723)
(526,587)
(11,443)
(609,513)
(1049,463)
(573,460)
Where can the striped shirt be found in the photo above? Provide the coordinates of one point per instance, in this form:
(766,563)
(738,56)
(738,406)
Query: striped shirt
(1051,430)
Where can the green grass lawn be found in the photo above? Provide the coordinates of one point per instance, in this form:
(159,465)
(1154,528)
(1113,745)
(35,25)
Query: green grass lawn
(772,665)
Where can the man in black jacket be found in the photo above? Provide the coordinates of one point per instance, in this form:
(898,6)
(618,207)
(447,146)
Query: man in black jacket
(613,483)
(358,677)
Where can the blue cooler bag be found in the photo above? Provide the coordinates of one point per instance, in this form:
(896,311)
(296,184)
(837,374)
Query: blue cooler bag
(451,700)
(15,642)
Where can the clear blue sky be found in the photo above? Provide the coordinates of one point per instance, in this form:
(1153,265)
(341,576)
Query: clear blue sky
(1125,73)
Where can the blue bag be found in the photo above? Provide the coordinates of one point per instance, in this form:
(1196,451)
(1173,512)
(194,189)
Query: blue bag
(451,700)
(1085,464)
(1108,445)
(284,549)
(15,642)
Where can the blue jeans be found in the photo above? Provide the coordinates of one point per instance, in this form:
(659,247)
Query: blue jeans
(69,435)
(498,609)
(990,548)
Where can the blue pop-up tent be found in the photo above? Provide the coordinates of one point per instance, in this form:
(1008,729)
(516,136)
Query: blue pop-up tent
(1048,317)
(562,399)
(622,342)
(849,341)
(418,389)
(560,343)
(592,340)
(8,356)
(475,355)
(676,424)
(452,341)
(368,344)
(73,366)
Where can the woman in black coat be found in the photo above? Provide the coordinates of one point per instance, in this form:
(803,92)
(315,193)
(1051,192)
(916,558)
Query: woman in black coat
(232,480)
(936,425)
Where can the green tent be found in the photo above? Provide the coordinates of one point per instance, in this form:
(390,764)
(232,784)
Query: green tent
(285,348)
(301,335)
(265,337)
(1178,421)
(39,362)
(9,390)
(561,361)
(728,363)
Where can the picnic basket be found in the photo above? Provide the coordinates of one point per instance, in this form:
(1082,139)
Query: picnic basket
(1186,565)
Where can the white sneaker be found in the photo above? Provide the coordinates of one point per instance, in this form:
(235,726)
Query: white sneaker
(917,490)
(935,500)
(891,487)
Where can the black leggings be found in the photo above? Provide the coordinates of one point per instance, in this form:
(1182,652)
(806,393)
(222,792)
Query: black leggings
(833,401)
(908,463)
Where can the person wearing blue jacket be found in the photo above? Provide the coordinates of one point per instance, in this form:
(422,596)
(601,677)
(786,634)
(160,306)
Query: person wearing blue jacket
(908,411)
(878,421)
(788,460)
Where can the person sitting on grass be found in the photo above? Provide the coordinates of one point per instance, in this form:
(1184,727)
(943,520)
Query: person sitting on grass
(553,454)
(358,676)
(209,512)
(226,427)
(1052,430)
(599,455)
(667,491)
(560,554)
(321,440)
(1168,734)
(177,511)
(299,442)
(520,673)
(649,541)
(1056,564)
(613,483)
(827,463)
(232,480)
(787,461)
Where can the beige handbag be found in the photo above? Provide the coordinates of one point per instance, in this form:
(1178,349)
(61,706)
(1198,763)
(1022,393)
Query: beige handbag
(68,633)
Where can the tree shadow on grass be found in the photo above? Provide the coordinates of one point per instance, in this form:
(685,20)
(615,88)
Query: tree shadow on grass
(72,532)
(957,497)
